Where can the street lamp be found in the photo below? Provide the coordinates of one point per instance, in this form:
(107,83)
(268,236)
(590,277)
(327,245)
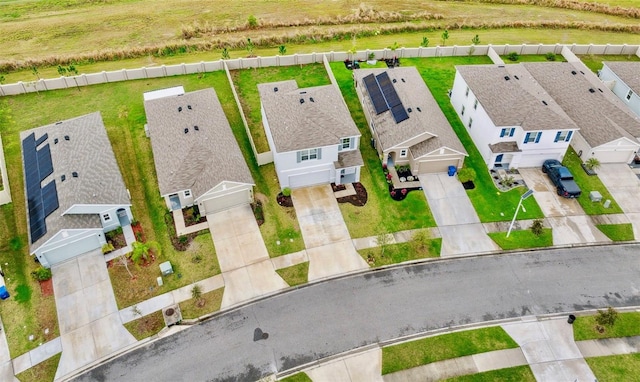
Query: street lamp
(523,197)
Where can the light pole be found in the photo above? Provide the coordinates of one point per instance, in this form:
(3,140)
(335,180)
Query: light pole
(528,193)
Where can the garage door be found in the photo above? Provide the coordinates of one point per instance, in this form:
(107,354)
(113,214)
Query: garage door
(224,202)
(309,179)
(621,156)
(71,250)
(431,167)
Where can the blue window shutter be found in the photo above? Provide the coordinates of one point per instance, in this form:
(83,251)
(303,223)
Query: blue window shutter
(299,156)
(503,132)
(569,136)
(538,136)
(526,138)
(513,131)
(557,136)
(319,153)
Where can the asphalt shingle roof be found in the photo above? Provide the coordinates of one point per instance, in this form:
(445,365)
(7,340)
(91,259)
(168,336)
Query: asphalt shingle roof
(89,153)
(201,158)
(517,101)
(629,73)
(600,114)
(425,116)
(302,118)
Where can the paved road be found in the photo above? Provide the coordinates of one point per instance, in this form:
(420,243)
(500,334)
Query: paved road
(332,317)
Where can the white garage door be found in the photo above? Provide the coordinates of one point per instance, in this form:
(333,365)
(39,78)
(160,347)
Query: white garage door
(72,250)
(620,156)
(224,202)
(309,179)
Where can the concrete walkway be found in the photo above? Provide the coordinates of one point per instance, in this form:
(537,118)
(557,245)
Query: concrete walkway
(181,229)
(6,366)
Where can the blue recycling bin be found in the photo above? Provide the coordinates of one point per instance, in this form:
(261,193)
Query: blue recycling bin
(4,294)
(452,170)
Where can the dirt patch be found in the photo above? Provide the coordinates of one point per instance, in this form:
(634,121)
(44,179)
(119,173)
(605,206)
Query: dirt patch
(258,212)
(46,287)
(359,199)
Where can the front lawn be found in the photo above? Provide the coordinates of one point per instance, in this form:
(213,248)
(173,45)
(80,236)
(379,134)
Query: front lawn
(421,352)
(399,253)
(295,274)
(490,204)
(299,377)
(589,183)
(617,232)
(627,325)
(45,371)
(510,374)
(210,302)
(523,239)
(146,326)
(381,214)
(614,368)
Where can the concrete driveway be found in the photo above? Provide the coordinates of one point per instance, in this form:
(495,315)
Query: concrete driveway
(624,186)
(90,324)
(550,202)
(246,267)
(326,237)
(459,225)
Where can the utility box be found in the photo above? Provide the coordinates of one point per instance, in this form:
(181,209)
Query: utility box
(166,269)
(595,196)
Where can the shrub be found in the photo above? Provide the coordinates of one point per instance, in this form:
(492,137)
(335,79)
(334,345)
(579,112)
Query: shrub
(607,317)
(550,56)
(183,239)
(592,163)
(537,227)
(513,56)
(41,274)
(466,174)
(425,42)
(286,191)
(106,248)
(252,22)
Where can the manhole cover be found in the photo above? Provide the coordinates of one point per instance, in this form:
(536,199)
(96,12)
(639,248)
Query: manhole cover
(170,312)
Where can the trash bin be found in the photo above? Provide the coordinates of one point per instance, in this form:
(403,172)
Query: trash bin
(571,318)
(452,170)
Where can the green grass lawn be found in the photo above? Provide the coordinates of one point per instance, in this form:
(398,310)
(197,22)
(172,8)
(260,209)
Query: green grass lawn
(617,232)
(421,352)
(627,325)
(614,368)
(299,377)
(45,371)
(146,326)
(381,214)
(212,302)
(589,183)
(523,239)
(594,62)
(490,204)
(295,274)
(246,83)
(510,374)
(532,58)
(398,253)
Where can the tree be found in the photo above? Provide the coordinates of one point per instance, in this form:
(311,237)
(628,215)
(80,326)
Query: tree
(425,42)
(592,164)
(537,228)
(250,47)
(607,317)
(125,262)
(34,70)
(445,37)
(141,250)
(282,50)
(383,239)
(394,46)
(225,53)
(475,40)
(196,295)
(61,70)
(2,79)
(252,22)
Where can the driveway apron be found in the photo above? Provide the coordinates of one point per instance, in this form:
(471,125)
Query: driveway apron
(624,186)
(246,267)
(326,237)
(90,324)
(459,225)
(551,204)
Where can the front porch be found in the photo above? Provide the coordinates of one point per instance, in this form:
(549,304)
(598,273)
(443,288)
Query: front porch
(403,180)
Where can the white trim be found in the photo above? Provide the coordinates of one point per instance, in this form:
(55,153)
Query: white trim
(403,153)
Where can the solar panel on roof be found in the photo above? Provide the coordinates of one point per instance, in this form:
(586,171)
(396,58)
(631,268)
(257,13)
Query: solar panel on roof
(45,166)
(42,139)
(375,94)
(50,198)
(399,113)
(388,91)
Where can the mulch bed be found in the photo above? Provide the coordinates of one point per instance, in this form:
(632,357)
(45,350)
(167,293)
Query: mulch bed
(359,199)
(399,194)
(191,216)
(258,212)
(116,239)
(46,287)
(284,201)
(179,243)
(138,232)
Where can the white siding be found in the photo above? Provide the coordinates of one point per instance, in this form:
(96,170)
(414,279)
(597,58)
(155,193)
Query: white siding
(287,164)
(621,89)
(618,151)
(68,244)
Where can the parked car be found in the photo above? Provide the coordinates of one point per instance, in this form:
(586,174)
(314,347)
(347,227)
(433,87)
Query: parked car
(561,178)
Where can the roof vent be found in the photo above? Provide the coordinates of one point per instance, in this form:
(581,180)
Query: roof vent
(74,174)
(592,90)
(63,178)
(301,100)
(418,108)
(574,72)
(311,99)
(402,79)
(189,107)
(409,110)
(544,103)
(186,130)
(275,89)
(55,141)
(196,128)
(66,138)
(179,109)
(394,81)
(516,77)
(506,78)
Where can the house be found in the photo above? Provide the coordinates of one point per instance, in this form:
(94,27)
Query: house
(74,190)
(197,158)
(512,120)
(311,134)
(407,125)
(609,131)
(623,79)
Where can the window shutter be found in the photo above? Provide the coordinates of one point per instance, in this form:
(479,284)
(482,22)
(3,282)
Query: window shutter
(569,136)
(526,138)
(557,136)
(319,153)
(503,132)
(538,136)
(513,131)
(299,156)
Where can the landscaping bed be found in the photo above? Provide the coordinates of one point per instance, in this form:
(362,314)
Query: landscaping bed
(191,216)
(359,199)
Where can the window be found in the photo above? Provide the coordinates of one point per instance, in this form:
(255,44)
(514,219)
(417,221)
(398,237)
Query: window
(470,122)
(403,153)
(345,144)
(563,136)
(475,104)
(106,217)
(629,94)
(466,94)
(507,132)
(532,137)
(310,154)
(462,112)
(187,193)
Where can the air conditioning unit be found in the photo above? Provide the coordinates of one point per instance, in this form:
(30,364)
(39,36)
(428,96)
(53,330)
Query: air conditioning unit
(172,315)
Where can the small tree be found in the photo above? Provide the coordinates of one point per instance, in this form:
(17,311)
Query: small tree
(425,42)
(445,37)
(225,53)
(250,47)
(252,22)
(394,46)
(125,263)
(383,239)
(607,317)
(196,295)
(34,70)
(592,164)
(136,311)
(513,56)
(141,250)
(282,50)
(61,70)
(2,79)
(466,174)
(421,241)
(475,40)
(537,228)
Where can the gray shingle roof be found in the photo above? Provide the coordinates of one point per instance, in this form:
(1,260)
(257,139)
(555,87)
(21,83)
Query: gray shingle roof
(322,119)
(349,158)
(505,147)
(89,153)
(601,116)
(199,159)
(414,94)
(628,71)
(514,102)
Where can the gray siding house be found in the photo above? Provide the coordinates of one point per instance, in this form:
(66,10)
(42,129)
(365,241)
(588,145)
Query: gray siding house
(623,78)
(311,134)
(197,158)
(74,190)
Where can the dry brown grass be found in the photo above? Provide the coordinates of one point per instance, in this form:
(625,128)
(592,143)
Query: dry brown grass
(575,5)
(210,302)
